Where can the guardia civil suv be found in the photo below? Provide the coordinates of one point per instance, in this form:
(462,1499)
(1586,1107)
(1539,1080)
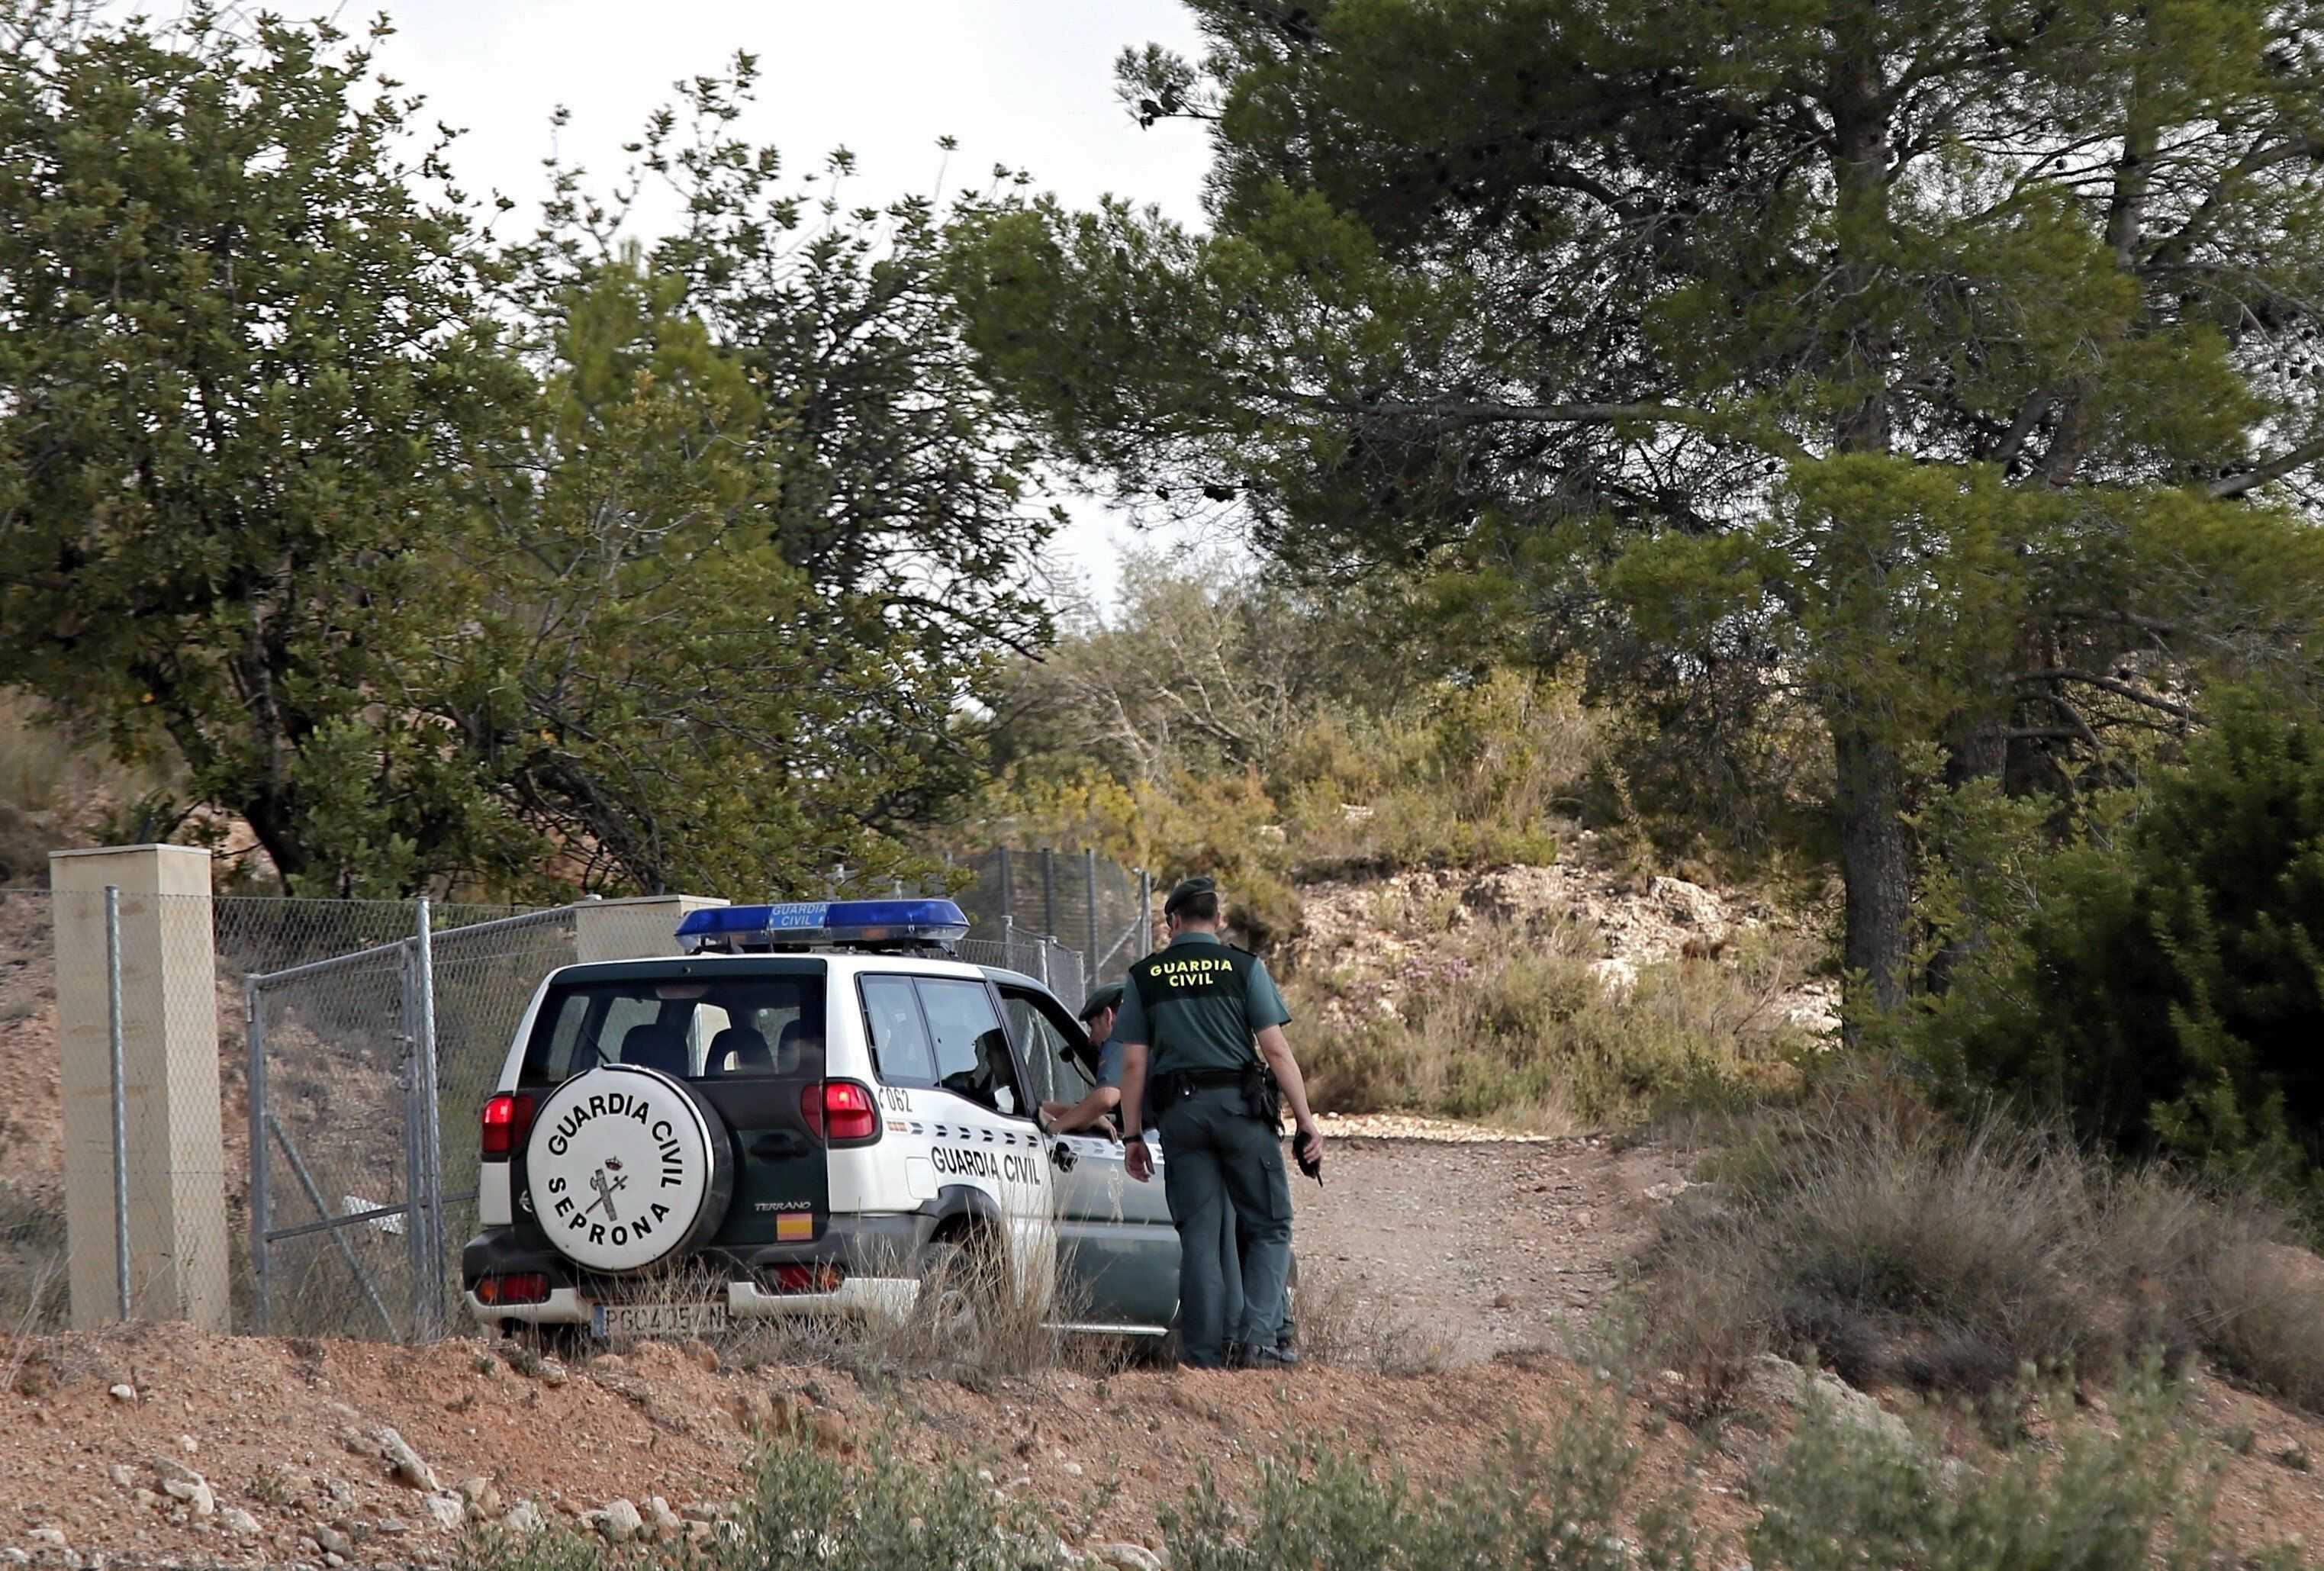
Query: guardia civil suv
(806,1110)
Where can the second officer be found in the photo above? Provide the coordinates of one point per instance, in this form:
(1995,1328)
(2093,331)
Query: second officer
(1204,1059)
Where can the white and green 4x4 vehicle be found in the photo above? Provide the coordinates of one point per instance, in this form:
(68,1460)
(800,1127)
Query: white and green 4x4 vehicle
(812,1110)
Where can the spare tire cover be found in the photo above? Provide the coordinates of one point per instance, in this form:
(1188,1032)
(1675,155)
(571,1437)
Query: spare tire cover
(627,1167)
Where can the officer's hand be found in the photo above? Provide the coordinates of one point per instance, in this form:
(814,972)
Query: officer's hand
(1051,1112)
(1309,1145)
(1138,1160)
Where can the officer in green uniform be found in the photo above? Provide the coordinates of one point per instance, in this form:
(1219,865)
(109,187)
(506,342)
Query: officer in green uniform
(1200,1023)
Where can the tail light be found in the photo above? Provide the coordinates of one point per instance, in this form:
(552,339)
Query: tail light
(520,1288)
(840,1112)
(507,1121)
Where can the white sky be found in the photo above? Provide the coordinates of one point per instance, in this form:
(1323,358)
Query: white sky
(1027,83)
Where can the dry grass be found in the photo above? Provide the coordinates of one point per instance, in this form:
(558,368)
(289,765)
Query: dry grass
(974,1318)
(1337,1330)
(34,1296)
(2264,1318)
(1899,1248)
(48,772)
(53,788)
(40,768)
(1513,1026)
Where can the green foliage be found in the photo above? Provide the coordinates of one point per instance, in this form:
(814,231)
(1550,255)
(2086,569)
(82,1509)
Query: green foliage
(1846,1494)
(2162,993)
(1228,722)
(777,542)
(658,690)
(905,492)
(1869,372)
(446,563)
(248,384)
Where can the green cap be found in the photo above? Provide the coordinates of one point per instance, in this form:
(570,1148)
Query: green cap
(1188,888)
(1106,997)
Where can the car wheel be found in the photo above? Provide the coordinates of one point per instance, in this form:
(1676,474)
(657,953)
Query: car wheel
(960,1288)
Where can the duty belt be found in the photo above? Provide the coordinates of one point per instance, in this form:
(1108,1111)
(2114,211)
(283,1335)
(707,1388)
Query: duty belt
(1179,1084)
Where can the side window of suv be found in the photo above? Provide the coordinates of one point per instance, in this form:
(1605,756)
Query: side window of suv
(972,1047)
(1039,1040)
(900,1037)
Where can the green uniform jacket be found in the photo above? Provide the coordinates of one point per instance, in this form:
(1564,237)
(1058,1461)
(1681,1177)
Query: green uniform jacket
(1198,1004)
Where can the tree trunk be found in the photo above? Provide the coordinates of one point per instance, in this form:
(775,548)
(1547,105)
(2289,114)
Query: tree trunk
(1876,866)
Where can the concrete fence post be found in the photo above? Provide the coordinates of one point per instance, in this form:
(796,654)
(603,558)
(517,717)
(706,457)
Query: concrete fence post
(174,1141)
(632,929)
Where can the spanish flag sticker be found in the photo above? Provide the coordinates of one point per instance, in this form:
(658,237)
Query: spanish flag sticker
(794,1227)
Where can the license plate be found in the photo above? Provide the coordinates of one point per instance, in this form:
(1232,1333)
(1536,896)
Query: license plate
(632,1322)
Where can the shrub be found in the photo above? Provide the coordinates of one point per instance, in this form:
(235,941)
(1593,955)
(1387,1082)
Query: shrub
(2168,992)
(1447,775)
(1502,1024)
(807,1509)
(1844,1495)
(1900,1246)
(1570,1502)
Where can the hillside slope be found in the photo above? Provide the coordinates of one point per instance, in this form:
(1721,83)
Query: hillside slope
(160,1445)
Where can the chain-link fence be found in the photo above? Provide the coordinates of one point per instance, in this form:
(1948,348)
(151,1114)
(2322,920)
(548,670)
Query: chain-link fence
(369,1066)
(1087,904)
(1046,960)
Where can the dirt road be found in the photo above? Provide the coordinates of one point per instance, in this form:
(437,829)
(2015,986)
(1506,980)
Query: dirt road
(1453,1249)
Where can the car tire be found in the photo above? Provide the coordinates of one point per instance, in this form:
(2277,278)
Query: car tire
(962,1273)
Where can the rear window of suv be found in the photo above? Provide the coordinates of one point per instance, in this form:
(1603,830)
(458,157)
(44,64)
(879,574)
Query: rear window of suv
(692,1026)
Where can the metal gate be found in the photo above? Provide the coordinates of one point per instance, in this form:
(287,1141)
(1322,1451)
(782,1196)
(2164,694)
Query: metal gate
(365,1071)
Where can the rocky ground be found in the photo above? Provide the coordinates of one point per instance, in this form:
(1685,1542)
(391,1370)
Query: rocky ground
(156,1443)
(1379,929)
(1449,1260)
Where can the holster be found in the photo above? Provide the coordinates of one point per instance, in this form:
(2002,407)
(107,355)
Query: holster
(1262,1094)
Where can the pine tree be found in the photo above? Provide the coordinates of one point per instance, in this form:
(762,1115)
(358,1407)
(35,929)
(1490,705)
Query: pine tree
(1934,371)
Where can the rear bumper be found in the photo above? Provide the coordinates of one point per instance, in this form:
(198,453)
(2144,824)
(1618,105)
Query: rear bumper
(855,1297)
(878,1254)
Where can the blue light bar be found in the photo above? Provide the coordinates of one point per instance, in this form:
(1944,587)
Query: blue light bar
(825,924)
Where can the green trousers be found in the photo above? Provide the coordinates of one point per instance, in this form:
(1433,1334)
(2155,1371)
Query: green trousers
(1222,1174)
